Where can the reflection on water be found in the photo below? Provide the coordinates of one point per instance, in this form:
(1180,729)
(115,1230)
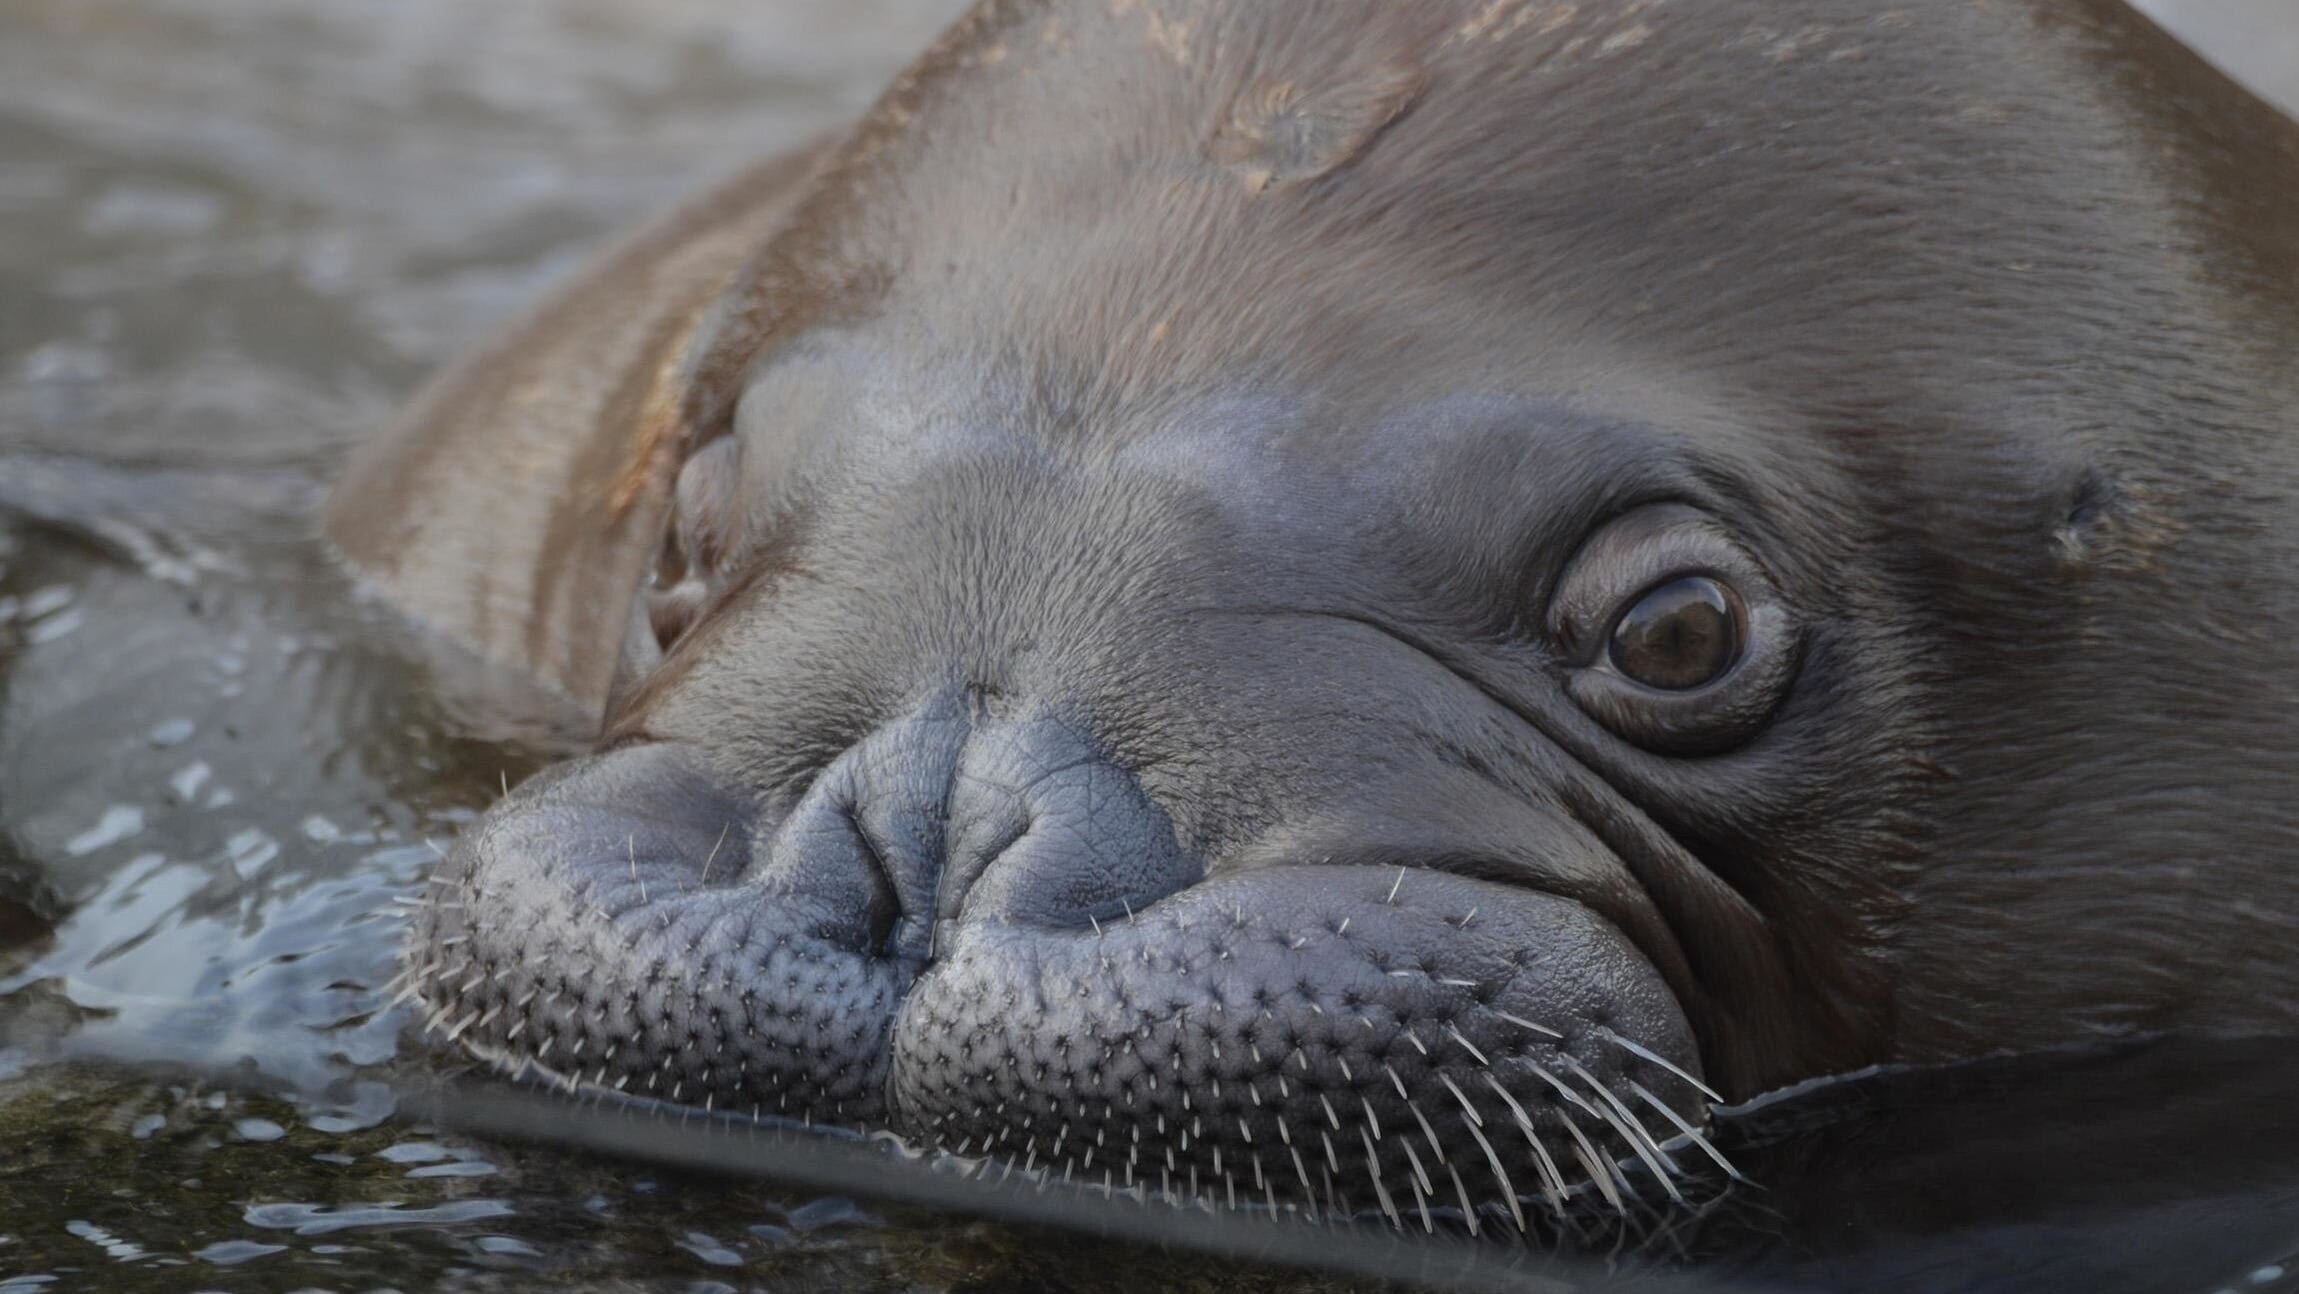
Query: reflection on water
(232,237)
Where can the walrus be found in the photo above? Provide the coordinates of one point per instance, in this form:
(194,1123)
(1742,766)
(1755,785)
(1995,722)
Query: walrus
(1368,608)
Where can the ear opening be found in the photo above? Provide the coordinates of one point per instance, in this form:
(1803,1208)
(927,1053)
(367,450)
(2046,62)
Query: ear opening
(516,506)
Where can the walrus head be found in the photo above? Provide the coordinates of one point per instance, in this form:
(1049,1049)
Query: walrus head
(1353,612)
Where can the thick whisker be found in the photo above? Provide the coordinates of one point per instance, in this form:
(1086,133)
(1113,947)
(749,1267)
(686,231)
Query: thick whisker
(1691,1133)
(1637,1049)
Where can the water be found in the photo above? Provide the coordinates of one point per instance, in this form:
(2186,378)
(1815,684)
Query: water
(233,236)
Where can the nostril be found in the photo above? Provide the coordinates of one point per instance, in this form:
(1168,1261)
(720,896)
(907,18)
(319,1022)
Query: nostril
(956,815)
(987,823)
(1045,829)
(867,837)
(890,932)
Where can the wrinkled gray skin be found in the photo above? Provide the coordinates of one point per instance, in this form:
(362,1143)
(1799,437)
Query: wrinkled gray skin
(1098,581)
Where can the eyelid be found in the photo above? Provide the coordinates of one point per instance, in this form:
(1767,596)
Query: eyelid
(1631,556)
(703,520)
(1624,562)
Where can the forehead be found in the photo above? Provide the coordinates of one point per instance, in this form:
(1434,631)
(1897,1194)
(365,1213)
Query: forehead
(1147,194)
(1146,199)
(1100,221)
(1149,197)
(846,422)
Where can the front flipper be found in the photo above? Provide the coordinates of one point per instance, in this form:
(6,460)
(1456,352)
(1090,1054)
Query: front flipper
(516,505)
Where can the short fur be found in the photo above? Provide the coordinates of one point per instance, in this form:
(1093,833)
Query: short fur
(1173,362)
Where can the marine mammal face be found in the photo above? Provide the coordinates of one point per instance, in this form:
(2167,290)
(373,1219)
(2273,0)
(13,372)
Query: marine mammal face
(1356,755)
(1385,609)
(1190,808)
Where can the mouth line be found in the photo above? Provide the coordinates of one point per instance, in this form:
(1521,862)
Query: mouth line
(1591,1186)
(1316,1035)
(1591,1211)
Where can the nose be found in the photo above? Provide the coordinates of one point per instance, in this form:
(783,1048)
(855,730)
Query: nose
(962,812)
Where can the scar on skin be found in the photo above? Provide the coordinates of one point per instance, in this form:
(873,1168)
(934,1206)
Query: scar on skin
(1502,19)
(1279,131)
(1627,38)
(1171,37)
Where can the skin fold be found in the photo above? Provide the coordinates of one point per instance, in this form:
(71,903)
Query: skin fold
(1363,608)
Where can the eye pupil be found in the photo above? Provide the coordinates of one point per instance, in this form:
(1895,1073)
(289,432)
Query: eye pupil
(1679,635)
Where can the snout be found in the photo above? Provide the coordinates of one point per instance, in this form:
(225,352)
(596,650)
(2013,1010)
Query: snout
(1341,1039)
(959,814)
(977,932)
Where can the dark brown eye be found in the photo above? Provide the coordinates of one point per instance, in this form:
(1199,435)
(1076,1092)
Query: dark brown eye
(1680,635)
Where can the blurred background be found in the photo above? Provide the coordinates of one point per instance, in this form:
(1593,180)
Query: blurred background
(2256,41)
(255,222)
